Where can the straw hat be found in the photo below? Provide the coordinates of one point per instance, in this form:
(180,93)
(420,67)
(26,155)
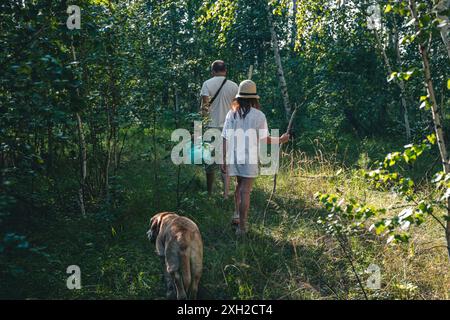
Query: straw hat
(247,90)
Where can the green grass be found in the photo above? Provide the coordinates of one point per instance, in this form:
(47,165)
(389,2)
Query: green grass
(287,257)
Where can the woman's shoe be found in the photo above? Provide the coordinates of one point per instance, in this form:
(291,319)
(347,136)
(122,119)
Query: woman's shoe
(235,220)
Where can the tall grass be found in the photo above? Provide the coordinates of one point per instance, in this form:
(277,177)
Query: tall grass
(288,257)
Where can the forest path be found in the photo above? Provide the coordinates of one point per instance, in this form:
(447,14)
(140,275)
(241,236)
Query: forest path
(285,259)
(290,257)
(280,260)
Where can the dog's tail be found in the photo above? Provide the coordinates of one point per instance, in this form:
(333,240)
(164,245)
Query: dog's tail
(185,259)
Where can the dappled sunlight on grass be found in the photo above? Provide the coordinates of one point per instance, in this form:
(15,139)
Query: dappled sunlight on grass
(286,254)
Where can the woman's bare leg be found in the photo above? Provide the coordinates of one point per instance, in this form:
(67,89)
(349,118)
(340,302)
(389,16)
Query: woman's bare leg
(237,197)
(245,188)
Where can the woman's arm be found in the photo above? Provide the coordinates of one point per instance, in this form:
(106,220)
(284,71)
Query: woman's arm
(276,140)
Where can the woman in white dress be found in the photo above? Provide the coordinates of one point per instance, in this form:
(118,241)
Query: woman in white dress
(244,128)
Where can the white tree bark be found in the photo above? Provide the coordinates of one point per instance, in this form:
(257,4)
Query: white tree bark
(83,153)
(83,164)
(294,23)
(435,112)
(280,71)
(400,83)
(250,72)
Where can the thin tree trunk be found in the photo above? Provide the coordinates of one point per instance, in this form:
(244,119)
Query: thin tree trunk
(442,9)
(83,164)
(294,24)
(115,148)
(113,137)
(155,164)
(83,153)
(111,112)
(108,154)
(400,83)
(280,71)
(50,148)
(348,254)
(177,106)
(96,175)
(176,109)
(250,72)
(435,112)
(119,156)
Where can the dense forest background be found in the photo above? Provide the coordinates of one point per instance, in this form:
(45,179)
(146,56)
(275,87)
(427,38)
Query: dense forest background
(85,123)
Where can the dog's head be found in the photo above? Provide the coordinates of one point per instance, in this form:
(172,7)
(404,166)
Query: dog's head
(155,225)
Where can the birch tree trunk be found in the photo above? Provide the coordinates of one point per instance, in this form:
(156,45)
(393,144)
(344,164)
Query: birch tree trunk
(108,152)
(250,72)
(82,153)
(113,135)
(400,83)
(435,112)
(294,24)
(280,71)
(83,164)
(442,8)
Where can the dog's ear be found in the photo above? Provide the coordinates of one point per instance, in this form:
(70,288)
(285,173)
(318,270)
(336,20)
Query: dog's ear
(155,224)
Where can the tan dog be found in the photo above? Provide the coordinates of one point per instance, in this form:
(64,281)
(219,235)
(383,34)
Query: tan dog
(180,246)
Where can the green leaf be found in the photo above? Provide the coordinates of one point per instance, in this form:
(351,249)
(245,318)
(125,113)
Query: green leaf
(380,227)
(392,76)
(448,84)
(405,214)
(431,138)
(403,237)
(407,75)
(388,8)
(425,104)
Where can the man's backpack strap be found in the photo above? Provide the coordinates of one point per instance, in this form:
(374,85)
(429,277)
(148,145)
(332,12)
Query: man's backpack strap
(218,91)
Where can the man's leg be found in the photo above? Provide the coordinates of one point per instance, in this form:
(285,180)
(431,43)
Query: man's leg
(210,181)
(226,185)
(210,178)
(245,190)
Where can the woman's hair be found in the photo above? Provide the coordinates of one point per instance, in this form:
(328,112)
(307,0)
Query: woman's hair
(242,106)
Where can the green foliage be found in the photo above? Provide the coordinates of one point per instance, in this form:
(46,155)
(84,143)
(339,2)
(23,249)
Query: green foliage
(353,215)
(132,74)
(345,218)
(390,173)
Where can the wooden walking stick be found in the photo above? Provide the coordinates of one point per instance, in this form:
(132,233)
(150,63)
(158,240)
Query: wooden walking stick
(289,130)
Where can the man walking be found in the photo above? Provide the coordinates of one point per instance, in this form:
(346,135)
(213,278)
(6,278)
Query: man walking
(217,97)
